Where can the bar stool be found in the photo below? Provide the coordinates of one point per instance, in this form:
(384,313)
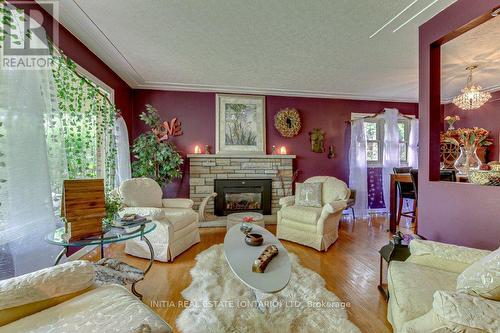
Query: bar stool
(406,191)
(414,180)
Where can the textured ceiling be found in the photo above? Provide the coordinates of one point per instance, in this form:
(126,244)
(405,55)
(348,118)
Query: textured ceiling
(284,47)
(480,47)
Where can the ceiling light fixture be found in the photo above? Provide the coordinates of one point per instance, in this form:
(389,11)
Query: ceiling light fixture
(411,18)
(472,97)
(391,20)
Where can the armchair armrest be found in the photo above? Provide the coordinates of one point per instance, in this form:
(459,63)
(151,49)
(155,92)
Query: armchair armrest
(335,206)
(177,203)
(150,212)
(452,258)
(287,201)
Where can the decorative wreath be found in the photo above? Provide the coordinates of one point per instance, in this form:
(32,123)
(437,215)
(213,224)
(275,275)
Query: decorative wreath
(287,122)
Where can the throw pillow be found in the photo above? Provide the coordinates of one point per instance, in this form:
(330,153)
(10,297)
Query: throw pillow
(308,194)
(482,277)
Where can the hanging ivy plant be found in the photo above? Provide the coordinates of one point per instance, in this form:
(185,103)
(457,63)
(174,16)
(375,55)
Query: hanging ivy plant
(11,19)
(87,120)
(154,158)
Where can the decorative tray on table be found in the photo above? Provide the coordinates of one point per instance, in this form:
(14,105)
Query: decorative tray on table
(485,177)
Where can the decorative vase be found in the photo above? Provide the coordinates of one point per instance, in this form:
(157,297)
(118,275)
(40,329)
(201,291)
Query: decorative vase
(467,160)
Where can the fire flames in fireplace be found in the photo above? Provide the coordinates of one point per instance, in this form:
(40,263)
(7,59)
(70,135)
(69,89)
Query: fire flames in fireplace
(243,201)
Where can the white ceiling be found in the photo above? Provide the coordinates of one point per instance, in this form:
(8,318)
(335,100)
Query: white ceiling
(479,46)
(279,47)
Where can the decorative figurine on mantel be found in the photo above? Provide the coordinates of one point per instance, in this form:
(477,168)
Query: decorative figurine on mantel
(208,149)
(317,137)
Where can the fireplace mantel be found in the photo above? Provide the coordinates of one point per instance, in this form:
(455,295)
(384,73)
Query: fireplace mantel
(239,156)
(204,169)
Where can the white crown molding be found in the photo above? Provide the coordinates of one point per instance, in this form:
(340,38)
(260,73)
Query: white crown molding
(170,86)
(103,47)
(108,53)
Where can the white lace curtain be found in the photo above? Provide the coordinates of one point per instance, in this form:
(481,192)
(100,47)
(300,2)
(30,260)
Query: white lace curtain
(123,171)
(413,144)
(26,204)
(391,156)
(358,172)
(36,139)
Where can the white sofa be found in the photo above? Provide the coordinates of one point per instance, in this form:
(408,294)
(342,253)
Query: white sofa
(64,299)
(176,221)
(311,226)
(425,297)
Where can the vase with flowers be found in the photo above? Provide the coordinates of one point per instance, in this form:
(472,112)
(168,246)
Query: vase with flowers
(246,224)
(451,120)
(470,139)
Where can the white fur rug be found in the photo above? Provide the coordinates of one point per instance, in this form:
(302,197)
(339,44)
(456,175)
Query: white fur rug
(220,303)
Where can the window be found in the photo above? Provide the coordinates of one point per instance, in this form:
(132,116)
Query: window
(404,135)
(374,132)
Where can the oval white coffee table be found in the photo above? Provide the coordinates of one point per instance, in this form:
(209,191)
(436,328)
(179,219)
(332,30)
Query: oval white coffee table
(237,218)
(241,256)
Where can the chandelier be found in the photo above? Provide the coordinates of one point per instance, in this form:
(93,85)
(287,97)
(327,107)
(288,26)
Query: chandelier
(471,97)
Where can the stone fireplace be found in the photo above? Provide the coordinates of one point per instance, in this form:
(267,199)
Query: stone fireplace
(274,172)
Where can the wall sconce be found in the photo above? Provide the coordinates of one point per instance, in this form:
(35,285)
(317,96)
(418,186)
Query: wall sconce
(197,149)
(283,150)
(331,153)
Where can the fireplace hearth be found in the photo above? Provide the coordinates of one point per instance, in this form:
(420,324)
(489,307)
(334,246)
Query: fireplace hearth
(240,195)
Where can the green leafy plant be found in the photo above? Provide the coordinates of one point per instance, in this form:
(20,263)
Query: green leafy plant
(154,158)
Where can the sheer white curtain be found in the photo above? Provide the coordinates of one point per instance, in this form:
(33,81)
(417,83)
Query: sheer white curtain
(122,152)
(358,172)
(26,196)
(391,157)
(413,144)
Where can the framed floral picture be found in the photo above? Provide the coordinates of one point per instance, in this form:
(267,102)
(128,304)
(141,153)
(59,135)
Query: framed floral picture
(240,124)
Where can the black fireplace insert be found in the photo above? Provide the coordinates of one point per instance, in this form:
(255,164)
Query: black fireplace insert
(242,195)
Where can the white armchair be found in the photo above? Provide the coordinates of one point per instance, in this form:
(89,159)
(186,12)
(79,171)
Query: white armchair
(176,221)
(311,226)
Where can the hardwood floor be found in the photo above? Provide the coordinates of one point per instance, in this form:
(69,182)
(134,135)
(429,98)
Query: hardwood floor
(350,268)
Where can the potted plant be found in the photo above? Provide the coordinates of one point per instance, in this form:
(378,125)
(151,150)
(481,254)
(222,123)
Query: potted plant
(155,156)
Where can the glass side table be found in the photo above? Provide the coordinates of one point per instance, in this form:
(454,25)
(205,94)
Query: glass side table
(112,235)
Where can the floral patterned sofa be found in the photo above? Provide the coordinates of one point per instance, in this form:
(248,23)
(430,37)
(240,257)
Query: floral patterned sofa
(444,288)
(65,298)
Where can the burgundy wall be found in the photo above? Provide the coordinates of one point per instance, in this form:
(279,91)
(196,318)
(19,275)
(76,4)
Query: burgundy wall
(487,116)
(456,213)
(79,53)
(196,111)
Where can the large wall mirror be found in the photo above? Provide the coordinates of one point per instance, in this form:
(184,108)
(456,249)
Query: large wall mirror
(469,142)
